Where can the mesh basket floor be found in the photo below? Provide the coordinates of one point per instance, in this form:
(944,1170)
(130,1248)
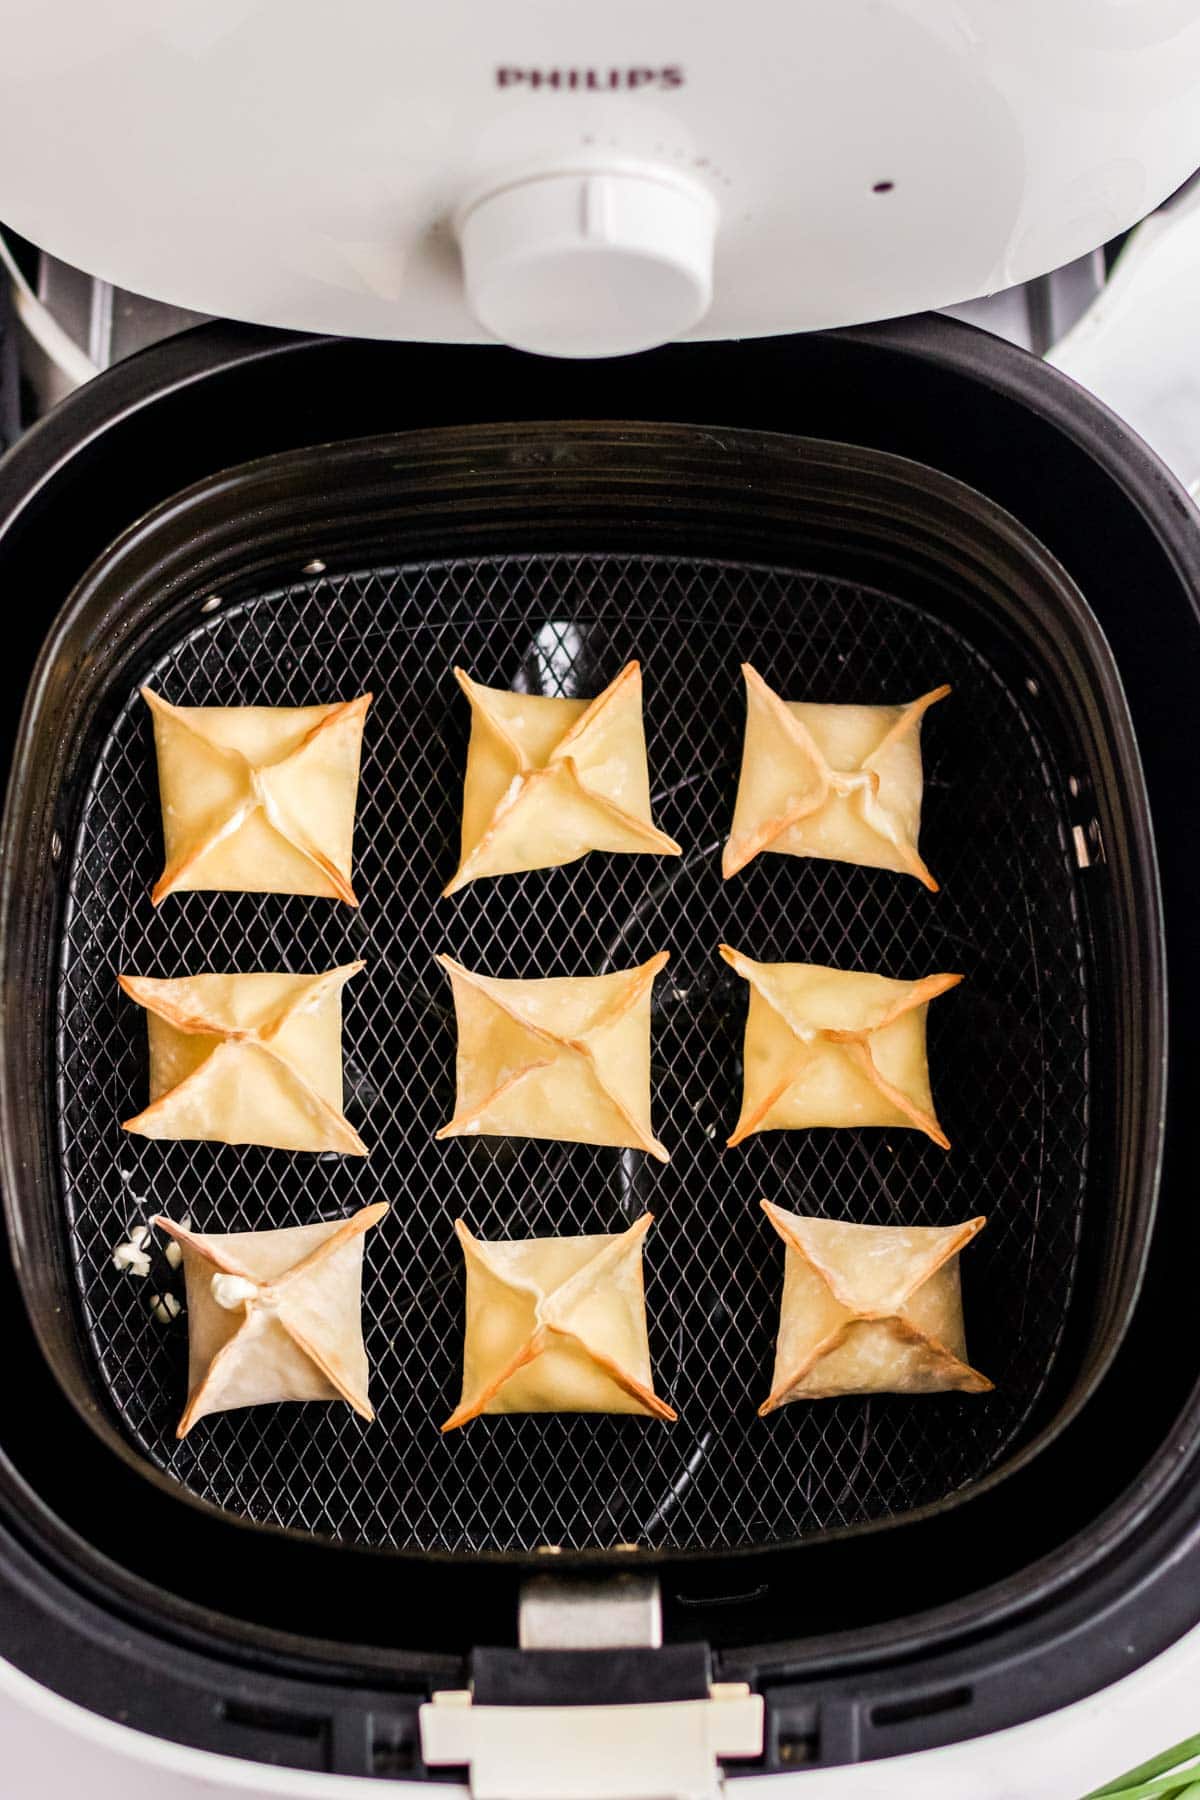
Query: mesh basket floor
(1007,1053)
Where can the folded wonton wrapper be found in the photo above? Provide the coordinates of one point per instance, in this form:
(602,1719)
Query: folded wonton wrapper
(556,1325)
(548,780)
(870,1309)
(259,799)
(840,782)
(275,1315)
(565,1058)
(246,1059)
(833,1047)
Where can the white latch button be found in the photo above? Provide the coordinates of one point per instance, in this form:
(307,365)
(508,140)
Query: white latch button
(669,1751)
(591,263)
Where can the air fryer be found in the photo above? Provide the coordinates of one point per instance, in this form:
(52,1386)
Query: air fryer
(875,509)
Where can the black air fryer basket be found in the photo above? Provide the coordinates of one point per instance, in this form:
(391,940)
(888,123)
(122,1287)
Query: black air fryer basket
(863,516)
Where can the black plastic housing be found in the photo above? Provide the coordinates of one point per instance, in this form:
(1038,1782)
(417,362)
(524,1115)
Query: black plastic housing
(1053,1076)
(1084,1548)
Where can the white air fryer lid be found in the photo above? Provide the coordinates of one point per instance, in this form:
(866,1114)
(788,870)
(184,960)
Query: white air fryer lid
(618,175)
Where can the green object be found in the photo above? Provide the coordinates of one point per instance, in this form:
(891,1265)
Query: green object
(1179,1786)
(1162,1778)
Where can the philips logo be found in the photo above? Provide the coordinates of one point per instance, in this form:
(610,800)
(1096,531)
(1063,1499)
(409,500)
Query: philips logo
(597,80)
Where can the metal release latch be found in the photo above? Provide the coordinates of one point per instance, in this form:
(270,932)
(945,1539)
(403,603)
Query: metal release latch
(634,1750)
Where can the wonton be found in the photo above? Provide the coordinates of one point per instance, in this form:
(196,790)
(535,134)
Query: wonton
(548,780)
(839,782)
(246,1059)
(258,799)
(556,1325)
(835,1047)
(275,1315)
(870,1309)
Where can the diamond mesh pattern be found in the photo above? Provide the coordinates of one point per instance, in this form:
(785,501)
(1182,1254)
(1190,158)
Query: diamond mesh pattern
(1008,1057)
